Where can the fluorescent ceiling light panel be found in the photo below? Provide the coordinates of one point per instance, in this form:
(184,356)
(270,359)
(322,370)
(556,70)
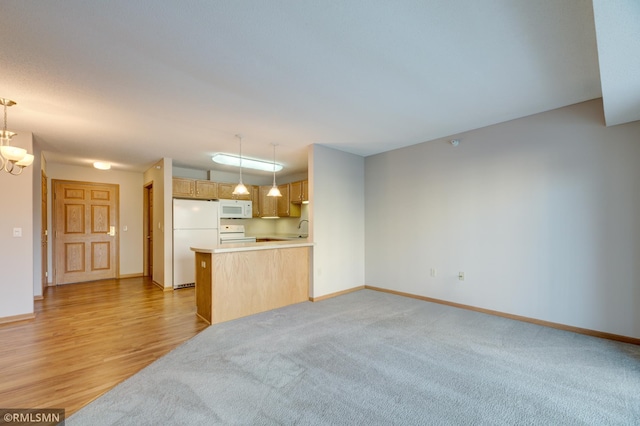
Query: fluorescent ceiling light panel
(248,163)
(101,165)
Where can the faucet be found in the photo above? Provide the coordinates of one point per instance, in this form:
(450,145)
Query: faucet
(300,224)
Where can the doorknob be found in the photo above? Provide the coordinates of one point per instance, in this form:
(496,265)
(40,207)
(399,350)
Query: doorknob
(112,231)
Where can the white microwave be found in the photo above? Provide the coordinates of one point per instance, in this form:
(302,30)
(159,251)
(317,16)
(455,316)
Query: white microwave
(236,209)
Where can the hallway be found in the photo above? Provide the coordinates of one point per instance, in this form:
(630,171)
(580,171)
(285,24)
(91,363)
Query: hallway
(88,337)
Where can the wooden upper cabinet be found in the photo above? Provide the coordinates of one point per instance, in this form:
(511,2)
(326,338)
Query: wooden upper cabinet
(293,194)
(225,192)
(285,207)
(305,191)
(268,205)
(284,202)
(244,196)
(299,191)
(255,198)
(183,187)
(206,190)
(192,188)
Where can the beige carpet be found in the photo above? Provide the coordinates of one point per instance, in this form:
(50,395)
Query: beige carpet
(370,358)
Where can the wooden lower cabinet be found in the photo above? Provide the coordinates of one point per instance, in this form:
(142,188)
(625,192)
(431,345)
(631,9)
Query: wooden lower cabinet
(226,289)
(203,286)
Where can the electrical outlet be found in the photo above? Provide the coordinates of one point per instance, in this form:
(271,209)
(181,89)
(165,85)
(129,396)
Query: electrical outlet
(461,276)
(434,272)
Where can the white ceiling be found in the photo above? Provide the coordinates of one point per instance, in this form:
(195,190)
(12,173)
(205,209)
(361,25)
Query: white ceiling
(134,81)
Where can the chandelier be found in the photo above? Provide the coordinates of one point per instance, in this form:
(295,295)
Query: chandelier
(12,158)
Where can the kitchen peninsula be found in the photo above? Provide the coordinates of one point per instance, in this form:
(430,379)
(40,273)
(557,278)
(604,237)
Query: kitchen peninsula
(237,280)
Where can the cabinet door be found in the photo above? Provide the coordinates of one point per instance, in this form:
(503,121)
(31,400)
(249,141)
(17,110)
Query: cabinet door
(283,202)
(206,190)
(255,198)
(225,192)
(305,191)
(268,205)
(285,207)
(295,192)
(243,196)
(299,191)
(183,187)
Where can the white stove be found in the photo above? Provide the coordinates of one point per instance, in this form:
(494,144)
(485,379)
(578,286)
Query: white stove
(234,234)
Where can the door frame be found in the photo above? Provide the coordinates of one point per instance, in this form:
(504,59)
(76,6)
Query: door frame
(54,230)
(147,227)
(44,234)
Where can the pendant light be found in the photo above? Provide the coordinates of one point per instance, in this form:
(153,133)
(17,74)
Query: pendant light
(274,191)
(12,158)
(240,189)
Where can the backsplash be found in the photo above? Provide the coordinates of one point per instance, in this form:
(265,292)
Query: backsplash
(284,225)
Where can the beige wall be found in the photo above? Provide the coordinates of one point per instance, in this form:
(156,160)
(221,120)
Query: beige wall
(337,215)
(38,266)
(160,174)
(541,213)
(16,253)
(130,212)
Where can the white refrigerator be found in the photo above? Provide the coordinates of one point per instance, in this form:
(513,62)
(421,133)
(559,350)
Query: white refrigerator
(195,224)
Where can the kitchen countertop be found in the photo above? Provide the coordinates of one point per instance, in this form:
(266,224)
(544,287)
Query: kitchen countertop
(282,237)
(267,245)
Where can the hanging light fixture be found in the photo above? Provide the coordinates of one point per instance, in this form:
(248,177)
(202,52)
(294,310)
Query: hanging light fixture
(12,158)
(274,191)
(240,189)
(247,163)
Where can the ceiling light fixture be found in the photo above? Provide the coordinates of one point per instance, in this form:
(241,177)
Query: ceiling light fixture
(12,158)
(247,163)
(274,191)
(101,165)
(240,189)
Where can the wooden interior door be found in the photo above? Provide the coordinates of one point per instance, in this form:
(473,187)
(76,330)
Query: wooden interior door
(148,230)
(85,220)
(44,234)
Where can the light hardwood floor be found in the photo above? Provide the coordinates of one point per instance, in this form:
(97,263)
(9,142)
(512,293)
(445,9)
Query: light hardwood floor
(86,338)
